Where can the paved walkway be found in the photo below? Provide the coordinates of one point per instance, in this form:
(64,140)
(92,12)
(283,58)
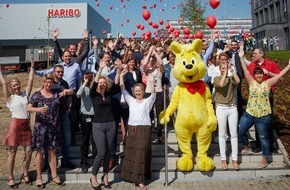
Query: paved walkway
(277,183)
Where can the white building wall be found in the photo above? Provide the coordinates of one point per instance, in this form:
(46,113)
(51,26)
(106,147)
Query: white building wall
(29,21)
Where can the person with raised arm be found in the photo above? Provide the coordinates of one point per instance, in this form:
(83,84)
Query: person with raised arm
(103,125)
(258,109)
(137,164)
(227,112)
(18,131)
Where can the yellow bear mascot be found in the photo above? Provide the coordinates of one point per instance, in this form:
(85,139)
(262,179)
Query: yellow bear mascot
(192,99)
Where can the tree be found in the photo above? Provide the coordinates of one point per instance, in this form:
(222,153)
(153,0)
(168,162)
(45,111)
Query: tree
(191,15)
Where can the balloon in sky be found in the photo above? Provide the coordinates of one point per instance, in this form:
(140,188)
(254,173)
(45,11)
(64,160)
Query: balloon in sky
(104,32)
(211,21)
(214,3)
(198,34)
(7,5)
(138,26)
(160,22)
(133,33)
(167,26)
(191,36)
(146,14)
(186,31)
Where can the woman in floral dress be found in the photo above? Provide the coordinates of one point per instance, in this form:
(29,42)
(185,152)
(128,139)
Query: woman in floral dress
(46,133)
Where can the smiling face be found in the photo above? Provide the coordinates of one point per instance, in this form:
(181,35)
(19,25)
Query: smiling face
(131,64)
(139,91)
(47,83)
(72,49)
(102,84)
(66,57)
(15,86)
(258,74)
(188,65)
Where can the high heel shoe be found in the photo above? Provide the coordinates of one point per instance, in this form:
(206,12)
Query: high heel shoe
(28,182)
(95,187)
(107,186)
(59,183)
(40,186)
(13,186)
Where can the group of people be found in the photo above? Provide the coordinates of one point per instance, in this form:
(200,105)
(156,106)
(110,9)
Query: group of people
(124,85)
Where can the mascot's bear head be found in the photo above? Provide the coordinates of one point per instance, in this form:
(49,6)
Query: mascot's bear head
(189,66)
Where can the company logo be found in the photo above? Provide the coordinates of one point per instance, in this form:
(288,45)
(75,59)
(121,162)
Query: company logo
(63,13)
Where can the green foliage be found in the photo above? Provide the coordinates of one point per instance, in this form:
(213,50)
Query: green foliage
(191,14)
(283,55)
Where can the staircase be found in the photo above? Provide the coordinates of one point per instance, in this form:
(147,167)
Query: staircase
(278,163)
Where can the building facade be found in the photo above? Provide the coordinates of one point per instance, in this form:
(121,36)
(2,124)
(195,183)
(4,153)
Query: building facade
(28,28)
(271,18)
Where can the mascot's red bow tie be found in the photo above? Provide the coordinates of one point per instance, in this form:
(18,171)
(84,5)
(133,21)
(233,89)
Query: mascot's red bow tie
(198,86)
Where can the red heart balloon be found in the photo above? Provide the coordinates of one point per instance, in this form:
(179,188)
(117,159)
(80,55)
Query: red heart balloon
(142,27)
(160,22)
(146,14)
(211,21)
(104,32)
(133,33)
(138,26)
(214,3)
(198,34)
(150,22)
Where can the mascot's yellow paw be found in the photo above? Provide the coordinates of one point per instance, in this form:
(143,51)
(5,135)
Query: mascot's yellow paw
(184,164)
(212,123)
(205,164)
(163,117)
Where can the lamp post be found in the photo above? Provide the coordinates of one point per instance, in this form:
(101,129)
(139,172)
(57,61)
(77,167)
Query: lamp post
(48,32)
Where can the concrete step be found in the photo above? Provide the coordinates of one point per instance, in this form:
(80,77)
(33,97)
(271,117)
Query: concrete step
(160,159)
(171,137)
(248,163)
(247,170)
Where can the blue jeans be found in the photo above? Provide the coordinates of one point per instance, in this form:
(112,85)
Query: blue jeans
(65,131)
(262,125)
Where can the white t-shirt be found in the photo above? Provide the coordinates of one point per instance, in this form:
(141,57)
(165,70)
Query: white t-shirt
(18,106)
(139,113)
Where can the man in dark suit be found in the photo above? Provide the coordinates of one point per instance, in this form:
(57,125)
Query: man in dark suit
(236,62)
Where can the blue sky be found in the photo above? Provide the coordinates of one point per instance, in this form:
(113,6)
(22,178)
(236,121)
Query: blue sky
(125,14)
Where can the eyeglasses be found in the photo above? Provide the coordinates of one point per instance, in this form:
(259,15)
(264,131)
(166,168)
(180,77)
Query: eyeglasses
(59,71)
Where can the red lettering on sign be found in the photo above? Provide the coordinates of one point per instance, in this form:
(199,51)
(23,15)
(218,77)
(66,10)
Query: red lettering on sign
(64,13)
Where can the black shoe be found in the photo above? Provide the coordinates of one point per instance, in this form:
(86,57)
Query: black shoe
(84,168)
(108,186)
(67,165)
(45,168)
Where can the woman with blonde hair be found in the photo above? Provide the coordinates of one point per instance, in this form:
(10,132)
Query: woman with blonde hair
(18,131)
(103,125)
(46,133)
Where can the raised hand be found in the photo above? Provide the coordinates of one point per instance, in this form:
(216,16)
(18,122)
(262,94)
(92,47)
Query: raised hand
(55,33)
(95,40)
(85,34)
